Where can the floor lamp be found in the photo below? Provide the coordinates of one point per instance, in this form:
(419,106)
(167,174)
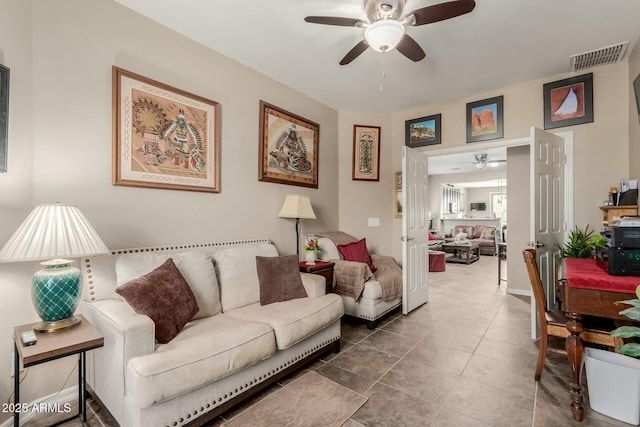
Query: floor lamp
(299,207)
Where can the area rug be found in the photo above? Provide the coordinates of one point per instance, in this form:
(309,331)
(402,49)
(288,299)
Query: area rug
(308,401)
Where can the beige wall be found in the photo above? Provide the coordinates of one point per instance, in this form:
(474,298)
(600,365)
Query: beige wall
(361,200)
(518,217)
(601,148)
(634,114)
(60,54)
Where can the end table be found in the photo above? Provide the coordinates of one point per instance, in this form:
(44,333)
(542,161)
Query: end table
(77,339)
(322,268)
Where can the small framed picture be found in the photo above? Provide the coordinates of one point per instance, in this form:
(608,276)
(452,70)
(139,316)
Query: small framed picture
(568,102)
(397,195)
(484,119)
(4,116)
(636,89)
(366,153)
(423,131)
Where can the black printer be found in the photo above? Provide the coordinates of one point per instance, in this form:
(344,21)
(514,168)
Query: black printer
(624,252)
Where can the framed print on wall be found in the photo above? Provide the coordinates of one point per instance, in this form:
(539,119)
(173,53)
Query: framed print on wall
(366,153)
(397,195)
(4,116)
(163,137)
(568,102)
(288,147)
(423,131)
(485,119)
(636,89)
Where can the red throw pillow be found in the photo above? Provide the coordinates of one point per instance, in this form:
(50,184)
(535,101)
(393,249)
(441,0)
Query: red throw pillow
(357,251)
(432,236)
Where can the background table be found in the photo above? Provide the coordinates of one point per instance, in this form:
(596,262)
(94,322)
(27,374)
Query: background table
(322,268)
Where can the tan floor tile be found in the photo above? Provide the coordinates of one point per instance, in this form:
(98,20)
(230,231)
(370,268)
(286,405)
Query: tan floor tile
(371,364)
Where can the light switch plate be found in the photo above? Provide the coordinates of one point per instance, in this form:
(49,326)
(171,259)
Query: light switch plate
(374,222)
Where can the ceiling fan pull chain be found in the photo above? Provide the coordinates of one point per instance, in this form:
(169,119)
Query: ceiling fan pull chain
(383,74)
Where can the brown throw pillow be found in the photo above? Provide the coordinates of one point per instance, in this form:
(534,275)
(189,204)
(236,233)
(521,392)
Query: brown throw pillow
(279,279)
(163,295)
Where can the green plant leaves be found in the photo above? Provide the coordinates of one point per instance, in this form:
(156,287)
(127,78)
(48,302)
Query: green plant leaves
(581,243)
(630,349)
(626,332)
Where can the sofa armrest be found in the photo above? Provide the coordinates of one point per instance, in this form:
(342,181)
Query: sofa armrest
(127,334)
(314,284)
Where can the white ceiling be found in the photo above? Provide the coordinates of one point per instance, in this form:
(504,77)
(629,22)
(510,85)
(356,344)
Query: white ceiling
(465,162)
(500,43)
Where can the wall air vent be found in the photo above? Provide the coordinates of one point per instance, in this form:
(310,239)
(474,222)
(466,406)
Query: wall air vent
(595,58)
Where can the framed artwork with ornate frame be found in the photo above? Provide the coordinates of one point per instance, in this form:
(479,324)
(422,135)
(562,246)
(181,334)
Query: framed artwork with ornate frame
(423,131)
(397,194)
(568,102)
(366,153)
(163,137)
(4,116)
(288,148)
(484,119)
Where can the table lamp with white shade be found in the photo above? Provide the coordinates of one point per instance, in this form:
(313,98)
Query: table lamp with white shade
(299,207)
(54,231)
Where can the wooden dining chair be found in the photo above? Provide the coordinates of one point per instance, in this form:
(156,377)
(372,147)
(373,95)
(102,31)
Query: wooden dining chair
(553,322)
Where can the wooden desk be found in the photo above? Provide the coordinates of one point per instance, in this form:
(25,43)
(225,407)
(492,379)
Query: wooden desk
(589,290)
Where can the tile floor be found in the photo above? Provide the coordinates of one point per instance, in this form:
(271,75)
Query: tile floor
(463,359)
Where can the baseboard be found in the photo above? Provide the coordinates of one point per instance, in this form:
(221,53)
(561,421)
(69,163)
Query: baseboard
(526,293)
(55,400)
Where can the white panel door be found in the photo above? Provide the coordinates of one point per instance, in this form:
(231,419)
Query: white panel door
(547,202)
(415,230)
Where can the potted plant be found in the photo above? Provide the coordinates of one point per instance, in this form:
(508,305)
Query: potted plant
(582,243)
(614,378)
(311,249)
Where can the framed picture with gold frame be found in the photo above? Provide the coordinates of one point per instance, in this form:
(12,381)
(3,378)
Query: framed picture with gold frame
(397,195)
(163,137)
(288,148)
(366,153)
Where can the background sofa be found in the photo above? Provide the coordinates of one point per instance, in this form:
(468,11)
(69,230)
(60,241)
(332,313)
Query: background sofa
(231,348)
(483,235)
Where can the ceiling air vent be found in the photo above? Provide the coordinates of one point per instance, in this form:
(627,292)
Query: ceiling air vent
(604,56)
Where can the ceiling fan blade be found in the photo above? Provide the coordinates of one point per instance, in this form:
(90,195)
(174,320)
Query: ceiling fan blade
(355,52)
(442,11)
(334,20)
(410,48)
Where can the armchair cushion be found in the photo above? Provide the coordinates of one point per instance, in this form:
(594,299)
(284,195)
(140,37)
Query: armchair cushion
(357,251)
(164,296)
(279,279)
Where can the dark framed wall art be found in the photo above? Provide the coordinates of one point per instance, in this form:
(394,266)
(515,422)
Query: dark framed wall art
(485,119)
(366,153)
(423,131)
(4,116)
(636,90)
(163,137)
(568,102)
(288,148)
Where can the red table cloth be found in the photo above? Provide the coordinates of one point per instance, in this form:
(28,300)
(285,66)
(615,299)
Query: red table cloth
(590,273)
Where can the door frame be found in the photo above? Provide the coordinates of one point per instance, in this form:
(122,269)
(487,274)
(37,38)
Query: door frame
(568,170)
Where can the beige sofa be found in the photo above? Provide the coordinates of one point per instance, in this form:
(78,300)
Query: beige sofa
(483,235)
(232,348)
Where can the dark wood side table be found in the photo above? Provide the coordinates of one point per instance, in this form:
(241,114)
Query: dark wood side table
(77,339)
(322,268)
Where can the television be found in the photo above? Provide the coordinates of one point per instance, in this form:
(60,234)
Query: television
(478,206)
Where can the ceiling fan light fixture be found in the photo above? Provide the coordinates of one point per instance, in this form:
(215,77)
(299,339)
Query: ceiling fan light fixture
(384,35)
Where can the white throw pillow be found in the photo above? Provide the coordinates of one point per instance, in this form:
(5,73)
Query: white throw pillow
(196,268)
(328,249)
(238,274)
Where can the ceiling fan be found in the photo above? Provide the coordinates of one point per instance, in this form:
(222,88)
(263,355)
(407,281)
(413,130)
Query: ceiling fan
(385,28)
(482,161)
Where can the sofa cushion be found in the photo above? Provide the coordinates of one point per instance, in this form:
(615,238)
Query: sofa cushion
(293,321)
(328,249)
(237,274)
(357,251)
(206,350)
(164,296)
(486,233)
(196,267)
(279,279)
(463,229)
